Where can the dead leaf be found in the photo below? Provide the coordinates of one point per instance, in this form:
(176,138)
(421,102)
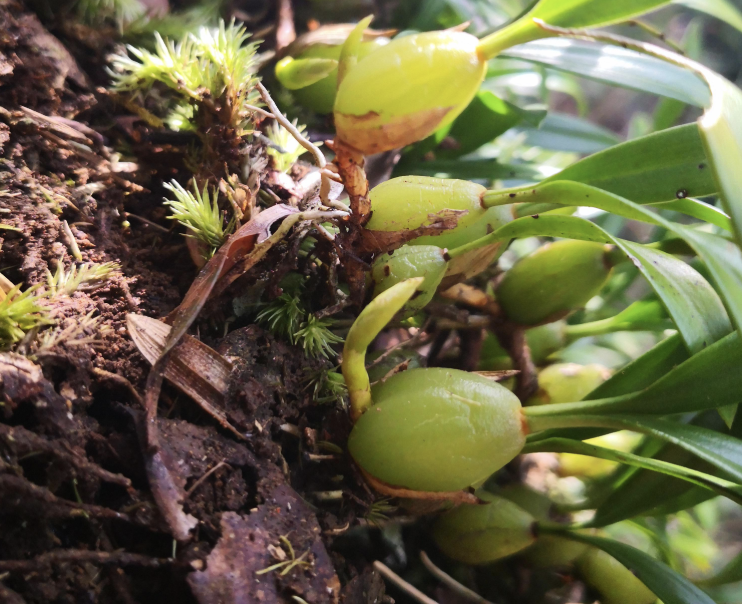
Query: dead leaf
(193,367)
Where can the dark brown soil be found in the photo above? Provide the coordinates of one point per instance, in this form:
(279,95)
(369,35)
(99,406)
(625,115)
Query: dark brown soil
(79,521)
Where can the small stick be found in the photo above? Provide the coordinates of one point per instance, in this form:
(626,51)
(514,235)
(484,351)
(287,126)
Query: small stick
(410,590)
(448,580)
(72,241)
(80,556)
(201,480)
(413,341)
(319,157)
(154,225)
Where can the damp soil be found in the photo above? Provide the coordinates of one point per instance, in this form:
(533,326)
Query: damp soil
(80,520)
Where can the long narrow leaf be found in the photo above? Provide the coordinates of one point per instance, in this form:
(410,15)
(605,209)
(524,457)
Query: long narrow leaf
(665,583)
(718,485)
(723,259)
(653,168)
(616,66)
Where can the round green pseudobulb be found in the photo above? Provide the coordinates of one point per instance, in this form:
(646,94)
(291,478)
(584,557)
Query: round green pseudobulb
(437,429)
(550,551)
(407,262)
(311,70)
(616,583)
(568,383)
(407,202)
(583,466)
(555,280)
(406,90)
(478,534)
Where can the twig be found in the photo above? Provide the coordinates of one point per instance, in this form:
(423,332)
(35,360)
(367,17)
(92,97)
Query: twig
(154,225)
(448,580)
(121,381)
(200,481)
(81,556)
(410,590)
(413,341)
(319,157)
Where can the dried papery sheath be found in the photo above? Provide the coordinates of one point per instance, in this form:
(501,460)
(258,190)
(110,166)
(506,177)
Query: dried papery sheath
(193,367)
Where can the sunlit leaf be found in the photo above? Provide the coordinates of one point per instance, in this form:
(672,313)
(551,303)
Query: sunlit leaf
(616,66)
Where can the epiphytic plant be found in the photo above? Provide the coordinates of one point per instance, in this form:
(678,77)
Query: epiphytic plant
(439,432)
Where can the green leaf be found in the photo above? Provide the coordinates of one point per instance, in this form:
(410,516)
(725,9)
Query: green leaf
(712,483)
(641,492)
(723,259)
(721,9)
(697,209)
(693,304)
(665,583)
(720,450)
(616,66)
(486,118)
(653,168)
(721,130)
(645,370)
(647,493)
(708,380)
(591,13)
(562,132)
(564,13)
(474,169)
(300,73)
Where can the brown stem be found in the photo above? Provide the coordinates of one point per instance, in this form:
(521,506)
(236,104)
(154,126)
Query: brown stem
(513,339)
(81,556)
(350,164)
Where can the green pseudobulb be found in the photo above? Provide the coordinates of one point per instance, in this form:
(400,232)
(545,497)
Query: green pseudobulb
(406,90)
(553,281)
(478,534)
(437,430)
(616,583)
(568,382)
(407,202)
(311,69)
(407,262)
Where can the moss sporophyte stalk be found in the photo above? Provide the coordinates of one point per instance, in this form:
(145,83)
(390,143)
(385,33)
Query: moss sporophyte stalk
(401,422)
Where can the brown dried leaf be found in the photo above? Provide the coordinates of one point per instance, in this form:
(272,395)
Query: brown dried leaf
(498,376)
(470,264)
(193,367)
